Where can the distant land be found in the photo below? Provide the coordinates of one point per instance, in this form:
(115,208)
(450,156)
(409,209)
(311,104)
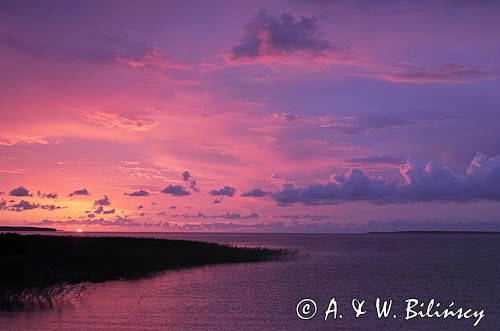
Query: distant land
(25,228)
(435,232)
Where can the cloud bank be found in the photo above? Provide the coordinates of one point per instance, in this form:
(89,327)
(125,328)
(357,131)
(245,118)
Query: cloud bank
(422,182)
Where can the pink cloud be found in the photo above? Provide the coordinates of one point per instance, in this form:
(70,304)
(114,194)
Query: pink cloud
(154,59)
(128,119)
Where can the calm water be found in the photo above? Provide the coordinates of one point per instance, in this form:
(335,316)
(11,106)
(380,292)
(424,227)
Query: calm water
(463,268)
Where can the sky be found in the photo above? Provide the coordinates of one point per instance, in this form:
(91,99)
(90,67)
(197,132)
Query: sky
(255,116)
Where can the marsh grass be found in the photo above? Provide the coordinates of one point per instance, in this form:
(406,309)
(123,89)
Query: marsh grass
(41,298)
(37,270)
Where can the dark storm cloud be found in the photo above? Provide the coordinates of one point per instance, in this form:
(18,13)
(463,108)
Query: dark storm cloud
(225,191)
(175,190)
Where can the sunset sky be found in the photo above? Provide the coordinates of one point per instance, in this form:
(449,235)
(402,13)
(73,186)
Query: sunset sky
(339,116)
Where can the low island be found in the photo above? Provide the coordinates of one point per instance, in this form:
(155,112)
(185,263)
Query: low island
(33,263)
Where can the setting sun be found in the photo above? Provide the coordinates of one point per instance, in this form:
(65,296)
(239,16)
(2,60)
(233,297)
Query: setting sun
(79,230)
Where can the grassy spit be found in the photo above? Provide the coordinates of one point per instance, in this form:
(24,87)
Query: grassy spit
(34,267)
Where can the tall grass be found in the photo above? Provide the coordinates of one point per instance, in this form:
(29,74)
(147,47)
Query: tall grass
(37,268)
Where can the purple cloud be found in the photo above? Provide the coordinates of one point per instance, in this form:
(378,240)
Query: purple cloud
(268,35)
(175,190)
(423,182)
(186,176)
(80,192)
(20,192)
(23,205)
(256,193)
(140,193)
(102,202)
(225,191)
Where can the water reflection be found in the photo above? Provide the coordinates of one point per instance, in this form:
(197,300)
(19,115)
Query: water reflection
(257,296)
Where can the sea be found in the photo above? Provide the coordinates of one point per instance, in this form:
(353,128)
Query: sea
(342,274)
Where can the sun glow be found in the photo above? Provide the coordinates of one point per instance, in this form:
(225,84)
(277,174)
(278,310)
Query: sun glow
(79,230)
